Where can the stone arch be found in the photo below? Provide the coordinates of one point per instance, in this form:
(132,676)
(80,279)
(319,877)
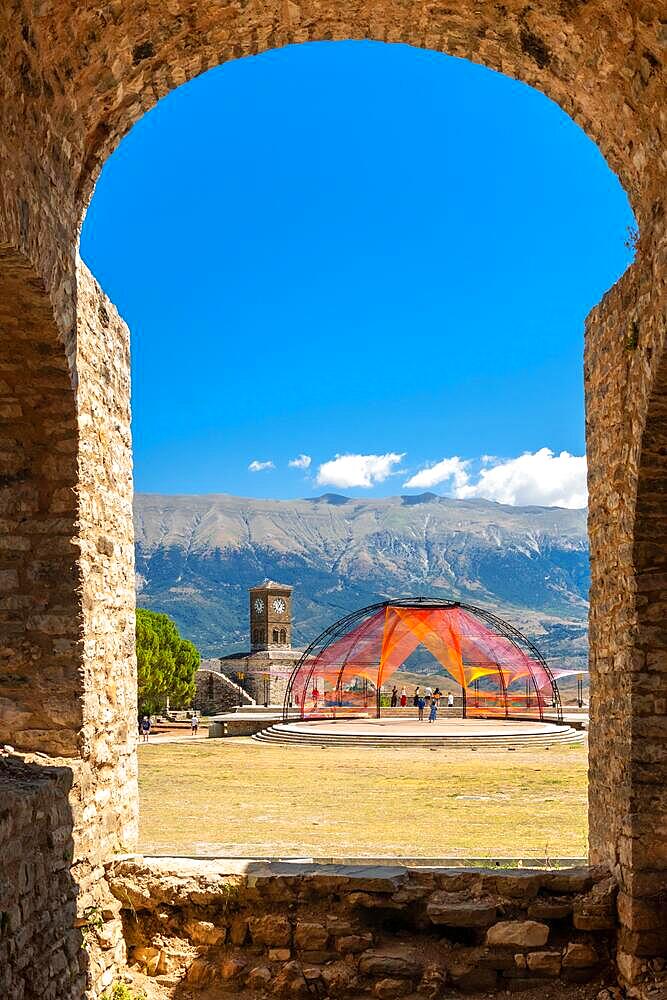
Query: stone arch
(75,78)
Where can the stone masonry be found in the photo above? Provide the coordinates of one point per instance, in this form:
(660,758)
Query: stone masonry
(216,693)
(74,77)
(298,930)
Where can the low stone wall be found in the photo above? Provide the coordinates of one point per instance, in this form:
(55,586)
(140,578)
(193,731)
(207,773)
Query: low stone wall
(60,933)
(39,947)
(300,930)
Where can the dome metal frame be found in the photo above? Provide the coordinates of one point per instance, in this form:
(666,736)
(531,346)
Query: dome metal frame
(343,625)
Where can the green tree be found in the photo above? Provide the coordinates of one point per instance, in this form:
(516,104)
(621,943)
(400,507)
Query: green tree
(166,663)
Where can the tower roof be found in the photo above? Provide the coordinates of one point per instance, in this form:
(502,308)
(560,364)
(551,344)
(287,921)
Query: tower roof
(272,585)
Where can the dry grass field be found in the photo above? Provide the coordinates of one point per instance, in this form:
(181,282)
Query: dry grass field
(241,798)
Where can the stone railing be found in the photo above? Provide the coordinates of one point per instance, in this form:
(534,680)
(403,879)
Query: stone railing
(302,930)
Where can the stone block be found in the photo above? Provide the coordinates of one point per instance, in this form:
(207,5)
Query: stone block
(339,978)
(231,968)
(352,944)
(389,989)
(544,963)
(339,925)
(290,981)
(451,910)
(205,932)
(396,963)
(279,954)
(310,936)
(597,909)
(259,977)
(274,931)
(568,880)
(580,956)
(319,957)
(514,885)
(518,934)
(544,908)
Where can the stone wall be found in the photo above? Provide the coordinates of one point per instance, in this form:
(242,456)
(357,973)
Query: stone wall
(299,930)
(59,925)
(74,77)
(216,693)
(628,707)
(67,659)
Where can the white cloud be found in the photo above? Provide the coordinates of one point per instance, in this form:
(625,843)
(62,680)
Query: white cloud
(256,466)
(537,478)
(449,468)
(300,462)
(346,471)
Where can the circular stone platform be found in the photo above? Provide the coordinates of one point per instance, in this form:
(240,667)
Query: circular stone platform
(446,732)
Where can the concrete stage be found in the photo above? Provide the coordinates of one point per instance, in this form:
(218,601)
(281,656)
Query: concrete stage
(447,732)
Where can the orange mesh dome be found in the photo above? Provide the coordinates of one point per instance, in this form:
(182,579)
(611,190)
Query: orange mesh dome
(498,671)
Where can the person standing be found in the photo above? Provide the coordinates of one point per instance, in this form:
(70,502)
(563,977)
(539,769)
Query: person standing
(194,723)
(417,697)
(394,696)
(145,728)
(433,712)
(404,697)
(450,700)
(428,694)
(420,708)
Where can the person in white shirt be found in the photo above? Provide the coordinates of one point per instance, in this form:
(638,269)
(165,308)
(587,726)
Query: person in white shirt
(428,693)
(450,700)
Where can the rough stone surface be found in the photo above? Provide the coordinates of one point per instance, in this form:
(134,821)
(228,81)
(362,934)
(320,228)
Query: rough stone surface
(459,910)
(544,963)
(75,77)
(518,933)
(216,693)
(579,956)
(210,924)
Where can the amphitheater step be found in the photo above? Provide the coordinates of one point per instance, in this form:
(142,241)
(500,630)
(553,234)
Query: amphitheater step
(302,735)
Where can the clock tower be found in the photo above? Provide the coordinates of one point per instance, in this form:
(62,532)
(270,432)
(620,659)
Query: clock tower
(270,616)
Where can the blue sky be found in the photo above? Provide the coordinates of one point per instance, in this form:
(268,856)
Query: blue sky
(373,256)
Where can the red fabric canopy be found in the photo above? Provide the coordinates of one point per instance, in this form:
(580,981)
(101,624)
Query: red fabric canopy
(496,673)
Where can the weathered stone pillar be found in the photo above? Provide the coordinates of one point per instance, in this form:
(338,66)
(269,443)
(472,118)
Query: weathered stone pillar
(67,659)
(627,452)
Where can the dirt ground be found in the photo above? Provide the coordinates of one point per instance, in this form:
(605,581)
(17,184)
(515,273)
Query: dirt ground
(242,798)
(152,989)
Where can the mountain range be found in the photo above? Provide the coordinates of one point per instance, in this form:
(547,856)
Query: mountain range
(197,555)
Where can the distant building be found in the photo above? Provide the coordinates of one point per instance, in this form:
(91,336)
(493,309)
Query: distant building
(264,671)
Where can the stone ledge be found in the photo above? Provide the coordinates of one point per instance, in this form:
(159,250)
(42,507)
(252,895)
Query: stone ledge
(362,929)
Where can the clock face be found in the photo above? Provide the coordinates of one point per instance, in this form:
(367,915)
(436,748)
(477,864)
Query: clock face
(259,605)
(279,605)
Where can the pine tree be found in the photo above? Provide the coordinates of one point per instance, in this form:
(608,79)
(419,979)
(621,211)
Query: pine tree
(166,663)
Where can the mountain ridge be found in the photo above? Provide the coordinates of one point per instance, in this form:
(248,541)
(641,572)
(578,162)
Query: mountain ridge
(197,554)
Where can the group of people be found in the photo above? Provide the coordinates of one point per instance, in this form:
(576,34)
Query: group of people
(428,698)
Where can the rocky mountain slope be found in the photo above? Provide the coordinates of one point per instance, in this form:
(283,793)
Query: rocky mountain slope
(197,556)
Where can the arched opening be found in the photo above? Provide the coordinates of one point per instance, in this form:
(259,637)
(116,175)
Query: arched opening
(66,112)
(251,348)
